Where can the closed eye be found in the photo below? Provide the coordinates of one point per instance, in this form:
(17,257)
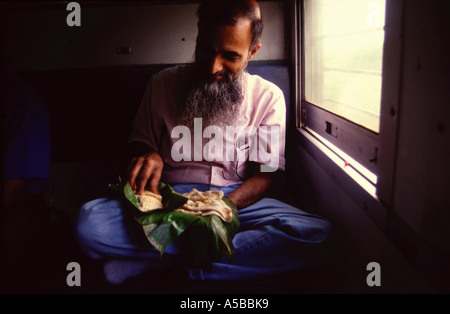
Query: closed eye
(232,56)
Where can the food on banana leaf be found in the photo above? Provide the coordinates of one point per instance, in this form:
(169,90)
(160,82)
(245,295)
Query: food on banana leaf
(205,237)
(206,204)
(149,201)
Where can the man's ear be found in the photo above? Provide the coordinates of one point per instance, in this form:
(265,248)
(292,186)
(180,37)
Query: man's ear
(254,51)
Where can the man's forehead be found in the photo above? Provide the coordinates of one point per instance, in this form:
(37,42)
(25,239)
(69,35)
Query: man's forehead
(239,33)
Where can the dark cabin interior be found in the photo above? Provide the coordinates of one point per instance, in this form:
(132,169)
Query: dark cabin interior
(92,91)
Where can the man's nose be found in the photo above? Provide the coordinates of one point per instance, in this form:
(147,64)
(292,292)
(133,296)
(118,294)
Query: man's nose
(216,65)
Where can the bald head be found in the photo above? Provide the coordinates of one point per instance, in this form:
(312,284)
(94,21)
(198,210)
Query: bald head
(213,14)
(255,6)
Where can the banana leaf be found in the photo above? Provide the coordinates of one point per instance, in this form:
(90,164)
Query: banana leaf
(203,240)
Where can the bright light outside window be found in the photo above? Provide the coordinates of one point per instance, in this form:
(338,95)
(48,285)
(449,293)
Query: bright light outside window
(343,51)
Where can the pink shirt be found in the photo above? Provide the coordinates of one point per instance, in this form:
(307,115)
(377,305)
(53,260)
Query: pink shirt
(220,159)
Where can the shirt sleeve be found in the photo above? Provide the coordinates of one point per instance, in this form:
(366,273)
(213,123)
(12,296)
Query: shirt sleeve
(27,135)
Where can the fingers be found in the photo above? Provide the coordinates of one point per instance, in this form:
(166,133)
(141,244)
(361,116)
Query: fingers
(133,172)
(155,181)
(145,168)
(146,172)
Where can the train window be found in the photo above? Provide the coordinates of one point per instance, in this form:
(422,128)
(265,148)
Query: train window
(341,53)
(343,58)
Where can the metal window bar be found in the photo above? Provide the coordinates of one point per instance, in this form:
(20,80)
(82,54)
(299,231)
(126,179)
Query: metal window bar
(354,71)
(355,107)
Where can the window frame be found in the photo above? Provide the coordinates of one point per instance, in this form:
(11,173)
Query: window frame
(374,151)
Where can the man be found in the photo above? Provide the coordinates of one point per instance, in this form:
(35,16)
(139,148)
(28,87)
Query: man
(183,110)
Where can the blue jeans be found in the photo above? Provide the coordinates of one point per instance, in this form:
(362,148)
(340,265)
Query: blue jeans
(274,237)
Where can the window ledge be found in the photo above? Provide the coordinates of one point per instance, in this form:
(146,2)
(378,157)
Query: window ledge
(356,181)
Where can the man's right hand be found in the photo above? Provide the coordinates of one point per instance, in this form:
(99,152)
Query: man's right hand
(143,169)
